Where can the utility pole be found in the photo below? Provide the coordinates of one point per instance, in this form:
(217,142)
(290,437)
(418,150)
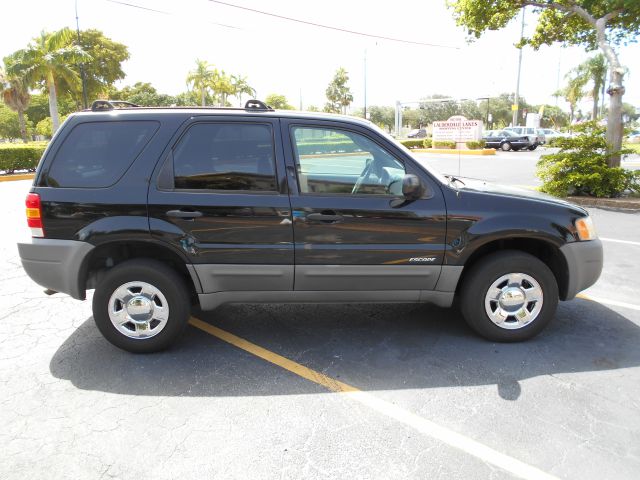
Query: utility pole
(365,83)
(82,75)
(514,108)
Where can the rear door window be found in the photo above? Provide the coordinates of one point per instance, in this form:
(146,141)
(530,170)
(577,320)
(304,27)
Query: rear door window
(225,156)
(97,154)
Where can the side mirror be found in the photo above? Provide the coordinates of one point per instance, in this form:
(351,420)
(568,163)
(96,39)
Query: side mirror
(412,187)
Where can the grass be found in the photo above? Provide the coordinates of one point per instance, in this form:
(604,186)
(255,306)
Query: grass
(633,146)
(20,144)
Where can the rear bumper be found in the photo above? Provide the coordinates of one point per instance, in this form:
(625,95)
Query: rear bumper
(584,261)
(55,264)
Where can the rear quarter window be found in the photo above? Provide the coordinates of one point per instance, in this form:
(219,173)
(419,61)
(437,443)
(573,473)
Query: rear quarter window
(97,154)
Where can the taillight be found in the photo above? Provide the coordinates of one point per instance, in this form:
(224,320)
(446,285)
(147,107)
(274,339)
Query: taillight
(34,215)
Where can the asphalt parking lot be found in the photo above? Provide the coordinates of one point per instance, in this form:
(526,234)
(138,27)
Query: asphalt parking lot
(326,391)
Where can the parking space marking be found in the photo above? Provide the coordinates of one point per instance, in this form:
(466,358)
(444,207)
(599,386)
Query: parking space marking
(411,420)
(606,301)
(627,242)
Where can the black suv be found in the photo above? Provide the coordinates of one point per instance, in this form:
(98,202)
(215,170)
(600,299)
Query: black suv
(159,209)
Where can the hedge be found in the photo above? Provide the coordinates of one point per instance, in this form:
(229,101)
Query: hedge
(20,156)
(412,143)
(476,144)
(319,148)
(427,143)
(444,144)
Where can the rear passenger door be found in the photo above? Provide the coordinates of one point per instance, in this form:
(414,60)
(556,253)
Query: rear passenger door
(220,196)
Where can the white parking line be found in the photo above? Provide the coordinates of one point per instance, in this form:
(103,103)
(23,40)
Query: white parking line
(628,242)
(605,301)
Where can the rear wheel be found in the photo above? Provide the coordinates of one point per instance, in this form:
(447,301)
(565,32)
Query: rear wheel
(509,296)
(141,306)
(506,146)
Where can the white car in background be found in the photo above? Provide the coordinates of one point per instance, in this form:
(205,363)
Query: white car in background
(550,134)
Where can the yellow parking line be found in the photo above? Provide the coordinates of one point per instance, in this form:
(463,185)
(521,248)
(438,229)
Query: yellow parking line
(411,420)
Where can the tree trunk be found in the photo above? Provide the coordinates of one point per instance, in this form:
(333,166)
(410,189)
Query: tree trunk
(202,97)
(53,103)
(614,120)
(615,91)
(594,112)
(23,125)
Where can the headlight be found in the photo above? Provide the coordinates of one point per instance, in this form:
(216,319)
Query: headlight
(585,228)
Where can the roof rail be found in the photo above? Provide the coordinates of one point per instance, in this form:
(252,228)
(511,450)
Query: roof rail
(102,105)
(257,105)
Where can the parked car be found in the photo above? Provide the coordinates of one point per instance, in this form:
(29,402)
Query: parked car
(536,136)
(634,137)
(159,209)
(506,140)
(551,134)
(417,133)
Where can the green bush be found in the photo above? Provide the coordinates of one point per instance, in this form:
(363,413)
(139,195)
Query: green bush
(476,144)
(411,143)
(324,147)
(15,156)
(444,144)
(427,143)
(580,167)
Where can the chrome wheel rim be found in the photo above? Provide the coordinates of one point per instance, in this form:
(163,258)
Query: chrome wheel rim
(138,310)
(514,301)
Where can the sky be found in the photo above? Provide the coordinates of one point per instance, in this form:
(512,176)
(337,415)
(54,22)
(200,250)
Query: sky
(299,61)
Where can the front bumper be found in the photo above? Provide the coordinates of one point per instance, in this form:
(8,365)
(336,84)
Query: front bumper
(55,264)
(584,261)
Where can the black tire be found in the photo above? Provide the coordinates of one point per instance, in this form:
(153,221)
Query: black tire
(532,147)
(505,147)
(487,271)
(161,277)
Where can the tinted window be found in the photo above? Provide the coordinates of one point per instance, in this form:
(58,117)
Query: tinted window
(225,156)
(96,154)
(341,162)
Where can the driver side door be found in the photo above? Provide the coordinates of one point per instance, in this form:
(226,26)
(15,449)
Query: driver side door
(350,230)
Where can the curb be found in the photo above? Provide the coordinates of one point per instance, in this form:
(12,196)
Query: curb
(485,151)
(20,176)
(614,203)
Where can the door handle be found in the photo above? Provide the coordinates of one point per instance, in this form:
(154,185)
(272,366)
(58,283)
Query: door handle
(184,214)
(324,217)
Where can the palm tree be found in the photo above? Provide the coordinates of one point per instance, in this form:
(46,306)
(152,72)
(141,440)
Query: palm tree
(201,79)
(241,86)
(223,86)
(48,59)
(593,70)
(572,93)
(16,95)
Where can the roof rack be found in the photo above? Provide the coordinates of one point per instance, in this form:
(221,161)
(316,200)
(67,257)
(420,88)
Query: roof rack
(107,105)
(257,105)
(102,105)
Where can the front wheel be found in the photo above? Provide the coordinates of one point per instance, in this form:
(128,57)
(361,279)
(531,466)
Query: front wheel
(509,296)
(141,306)
(533,147)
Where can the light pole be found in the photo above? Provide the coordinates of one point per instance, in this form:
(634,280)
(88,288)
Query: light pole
(365,83)
(514,119)
(82,76)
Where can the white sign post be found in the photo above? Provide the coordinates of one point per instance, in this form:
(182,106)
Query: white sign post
(457,129)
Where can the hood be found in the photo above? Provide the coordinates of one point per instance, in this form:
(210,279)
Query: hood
(510,191)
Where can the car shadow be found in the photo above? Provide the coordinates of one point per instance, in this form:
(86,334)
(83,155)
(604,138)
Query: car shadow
(372,347)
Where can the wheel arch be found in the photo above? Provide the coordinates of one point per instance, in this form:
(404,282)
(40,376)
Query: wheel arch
(107,255)
(545,251)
